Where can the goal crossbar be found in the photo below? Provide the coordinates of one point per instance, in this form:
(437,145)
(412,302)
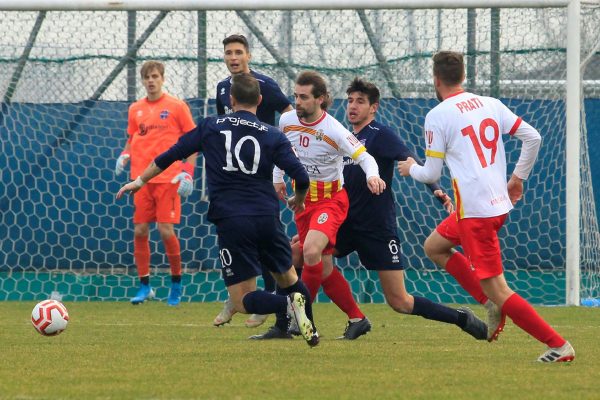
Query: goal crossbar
(120,5)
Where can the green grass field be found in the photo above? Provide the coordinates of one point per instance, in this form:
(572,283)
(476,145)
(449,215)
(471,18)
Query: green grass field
(118,351)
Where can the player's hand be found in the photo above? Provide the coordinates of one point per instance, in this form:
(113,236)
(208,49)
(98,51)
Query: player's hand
(294,205)
(131,187)
(404,166)
(376,184)
(295,239)
(447,201)
(280,190)
(515,189)
(121,163)
(186,185)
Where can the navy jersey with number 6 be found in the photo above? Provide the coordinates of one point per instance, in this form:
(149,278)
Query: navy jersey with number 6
(240,152)
(273,99)
(367,211)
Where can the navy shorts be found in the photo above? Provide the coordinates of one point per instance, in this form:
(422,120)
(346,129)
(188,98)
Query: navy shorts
(377,251)
(247,244)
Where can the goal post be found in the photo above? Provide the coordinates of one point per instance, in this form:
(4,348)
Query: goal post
(70,73)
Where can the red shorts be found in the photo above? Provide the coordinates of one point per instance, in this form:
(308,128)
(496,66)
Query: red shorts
(324,216)
(157,202)
(479,240)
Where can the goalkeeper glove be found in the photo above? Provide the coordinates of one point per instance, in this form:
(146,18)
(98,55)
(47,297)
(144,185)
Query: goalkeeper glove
(184,178)
(121,162)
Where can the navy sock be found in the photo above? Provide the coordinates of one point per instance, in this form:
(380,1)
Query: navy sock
(261,302)
(301,288)
(281,319)
(269,282)
(438,312)
(145,280)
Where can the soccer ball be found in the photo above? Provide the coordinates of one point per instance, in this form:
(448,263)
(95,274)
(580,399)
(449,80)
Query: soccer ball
(49,317)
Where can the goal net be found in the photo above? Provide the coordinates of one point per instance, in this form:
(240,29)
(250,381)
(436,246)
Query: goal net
(68,77)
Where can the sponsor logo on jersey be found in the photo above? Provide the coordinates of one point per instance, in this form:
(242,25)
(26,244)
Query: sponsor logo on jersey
(235,121)
(228,111)
(429,137)
(322,218)
(164,114)
(353,140)
(144,129)
(312,169)
(228,272)
(222,91)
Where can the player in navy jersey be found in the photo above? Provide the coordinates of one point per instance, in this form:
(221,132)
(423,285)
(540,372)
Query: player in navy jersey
(237,58)
(371,226)
(240,153)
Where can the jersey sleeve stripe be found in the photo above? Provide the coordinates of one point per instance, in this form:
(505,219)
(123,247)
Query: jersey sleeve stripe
(330,142)
(358,152)
(435,154)
(513,130)
(310,131)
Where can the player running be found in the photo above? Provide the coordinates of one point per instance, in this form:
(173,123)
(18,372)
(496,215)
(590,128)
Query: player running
(321,143)
(237,56)
(240,153)
(466,131)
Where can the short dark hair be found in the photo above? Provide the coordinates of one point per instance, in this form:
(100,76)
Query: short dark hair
(236,38)
(245,89)
(364,87)
(319,86)
(449,67)
(150,65)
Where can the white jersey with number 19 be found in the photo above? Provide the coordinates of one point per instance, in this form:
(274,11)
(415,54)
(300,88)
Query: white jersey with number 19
(465,130)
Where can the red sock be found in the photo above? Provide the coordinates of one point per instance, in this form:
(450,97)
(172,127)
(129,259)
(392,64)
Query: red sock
(459,267)
(526,318)
(337,288)
(141,255)
(173,254)
(311,276)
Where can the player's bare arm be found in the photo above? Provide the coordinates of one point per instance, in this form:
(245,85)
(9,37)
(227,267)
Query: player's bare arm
(140,181)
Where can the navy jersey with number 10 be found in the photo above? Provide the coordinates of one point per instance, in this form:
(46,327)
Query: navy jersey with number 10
(240,152)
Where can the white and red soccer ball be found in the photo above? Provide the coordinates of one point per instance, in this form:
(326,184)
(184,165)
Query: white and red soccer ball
(49,317)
